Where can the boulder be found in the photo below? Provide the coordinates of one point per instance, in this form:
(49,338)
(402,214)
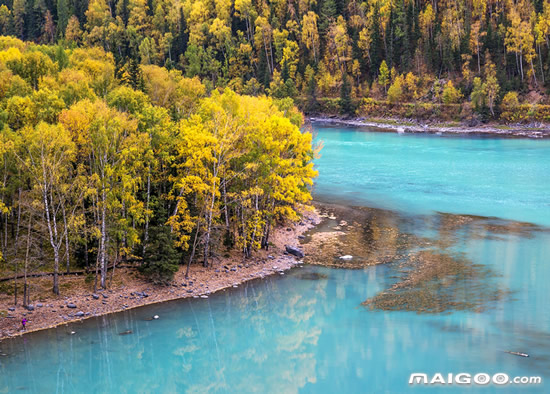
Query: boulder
(295,251)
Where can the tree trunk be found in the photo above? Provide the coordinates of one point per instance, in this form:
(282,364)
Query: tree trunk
(103,248)
(146,231)
(66,240)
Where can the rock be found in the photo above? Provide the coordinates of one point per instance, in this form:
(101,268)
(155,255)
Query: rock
(30,307)
(204,296)
(39,305)
(233,269)
(79,314)
(270,257)
(216,270)
(189,291)
(156,317)
(71,305)
(288,229)
(11,309)
(473,122)
(105,295)
(301,237)
(346,257)
(295,251)
(95,296)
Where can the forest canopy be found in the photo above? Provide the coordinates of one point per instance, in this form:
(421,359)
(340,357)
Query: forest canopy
(313,49)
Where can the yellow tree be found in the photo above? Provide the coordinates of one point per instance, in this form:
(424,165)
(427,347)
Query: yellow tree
(519,37)
(310,34)
(48,155)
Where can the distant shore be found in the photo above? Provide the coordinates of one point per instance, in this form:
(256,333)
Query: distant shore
(133,291)
(538,130)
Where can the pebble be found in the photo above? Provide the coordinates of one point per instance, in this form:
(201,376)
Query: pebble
(95,296)
(79,314)
(71,305)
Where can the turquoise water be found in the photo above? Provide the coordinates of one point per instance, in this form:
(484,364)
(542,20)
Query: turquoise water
(306,331)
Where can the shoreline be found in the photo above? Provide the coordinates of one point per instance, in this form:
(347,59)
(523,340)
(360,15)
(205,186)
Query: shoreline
(403,126)
(226,272)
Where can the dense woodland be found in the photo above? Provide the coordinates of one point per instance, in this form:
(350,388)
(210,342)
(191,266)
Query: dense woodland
(160,131)
(441,52)
(95,173)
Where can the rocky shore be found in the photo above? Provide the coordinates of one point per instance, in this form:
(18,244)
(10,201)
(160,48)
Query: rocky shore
(131,291)
(538,130)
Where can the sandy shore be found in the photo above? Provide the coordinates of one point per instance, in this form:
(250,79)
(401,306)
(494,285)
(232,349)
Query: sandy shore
(538,130)
(132,291)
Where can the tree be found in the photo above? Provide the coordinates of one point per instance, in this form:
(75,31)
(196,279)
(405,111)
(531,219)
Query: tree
(451,95)
(395,92)
(478,95)
(161,258)
(310,34)
(345,96)
(73,33)
(491,85)
(384,75)
(48,155)
(62,16)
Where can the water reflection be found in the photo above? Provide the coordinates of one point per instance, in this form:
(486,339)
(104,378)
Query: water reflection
(308,332)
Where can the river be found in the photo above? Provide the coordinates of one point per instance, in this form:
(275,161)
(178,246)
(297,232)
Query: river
(478,204)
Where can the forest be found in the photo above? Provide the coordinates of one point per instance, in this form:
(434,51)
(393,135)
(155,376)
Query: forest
(95,173)
(157,130)
(329,55)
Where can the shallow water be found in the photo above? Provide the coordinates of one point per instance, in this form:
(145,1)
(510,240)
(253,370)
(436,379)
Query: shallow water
(307,331)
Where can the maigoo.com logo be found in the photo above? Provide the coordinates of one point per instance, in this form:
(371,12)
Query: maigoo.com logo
(469,379)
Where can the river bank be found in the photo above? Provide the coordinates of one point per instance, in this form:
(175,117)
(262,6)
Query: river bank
(538,130)
(129,290)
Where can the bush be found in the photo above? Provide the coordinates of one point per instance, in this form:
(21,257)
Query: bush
(451,95)
(395,92)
